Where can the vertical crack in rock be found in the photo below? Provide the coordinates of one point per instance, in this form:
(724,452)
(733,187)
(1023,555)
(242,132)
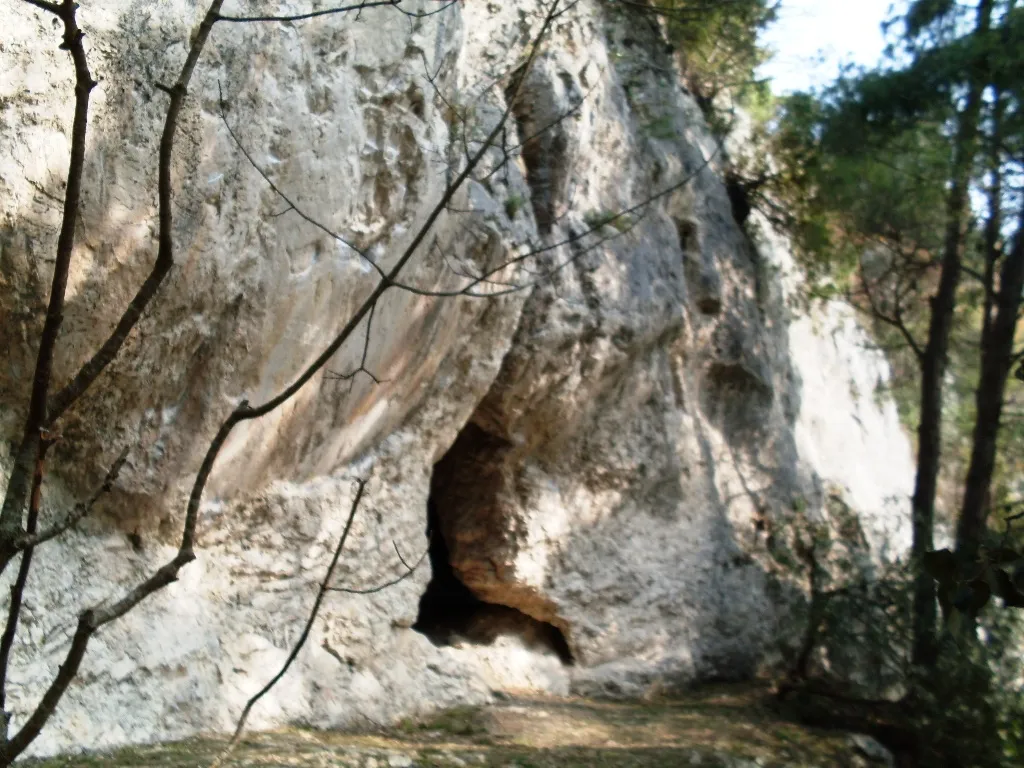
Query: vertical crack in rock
(544,104)
(702,276)
(450,612)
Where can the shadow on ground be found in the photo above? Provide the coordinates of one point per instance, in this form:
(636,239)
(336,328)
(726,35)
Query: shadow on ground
(727,726)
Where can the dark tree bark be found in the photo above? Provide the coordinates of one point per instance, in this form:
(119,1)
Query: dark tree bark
(996,361)
(29,451)
(935,356)
(26,474)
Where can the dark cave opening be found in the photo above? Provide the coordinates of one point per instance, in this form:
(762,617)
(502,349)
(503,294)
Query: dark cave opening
(450,614)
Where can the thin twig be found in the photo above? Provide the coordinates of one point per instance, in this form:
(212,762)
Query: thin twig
(622,216)
(42,413)
(18,588)
(358,8)
(94,618)
(351,375)
(89,372)
(308,15)
(246,412)
(33,539)
(20,480)
(292,205)
(236,737)
(409,571)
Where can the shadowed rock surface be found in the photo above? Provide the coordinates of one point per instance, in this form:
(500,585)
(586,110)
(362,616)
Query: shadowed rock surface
(719,727)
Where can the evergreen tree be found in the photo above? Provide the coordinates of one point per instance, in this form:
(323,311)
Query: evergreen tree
(903,189)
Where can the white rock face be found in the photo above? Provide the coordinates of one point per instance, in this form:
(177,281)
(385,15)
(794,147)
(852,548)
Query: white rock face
(620,440)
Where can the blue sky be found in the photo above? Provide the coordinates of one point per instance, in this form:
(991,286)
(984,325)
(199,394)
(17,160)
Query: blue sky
(813,37)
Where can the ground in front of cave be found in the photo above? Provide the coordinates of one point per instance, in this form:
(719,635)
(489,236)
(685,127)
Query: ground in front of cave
(722,726)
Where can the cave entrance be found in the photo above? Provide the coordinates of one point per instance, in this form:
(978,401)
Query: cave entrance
(450,614)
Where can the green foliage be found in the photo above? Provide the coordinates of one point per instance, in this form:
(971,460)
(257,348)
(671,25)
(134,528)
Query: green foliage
(955,715)
(457,721)
(863,170)
(514,204)
(759,101)
(621,222)
(717,42)
(967,710)
(847,190)
(661,128)
(925,13)
(862,181)
(965,588)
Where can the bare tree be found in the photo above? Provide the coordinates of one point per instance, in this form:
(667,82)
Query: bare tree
(483,149)
(18,535)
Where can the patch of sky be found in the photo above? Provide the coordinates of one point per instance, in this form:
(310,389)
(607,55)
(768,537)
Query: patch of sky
(812,40)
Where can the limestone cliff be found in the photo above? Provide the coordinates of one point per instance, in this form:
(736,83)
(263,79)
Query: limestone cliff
(620,446)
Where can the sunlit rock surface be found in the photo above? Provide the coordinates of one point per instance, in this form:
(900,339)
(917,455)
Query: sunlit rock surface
(620,445)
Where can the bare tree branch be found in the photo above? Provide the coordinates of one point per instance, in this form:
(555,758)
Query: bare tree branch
(350,377)
(314,611)
(94,618)
(623,217)
(509,152)
(402,559)
(292,205)
(44,410)
(31,449)
(165,249)
(396,4)
(19,483)
(308,15)
(878,313)
(409,571)
(33,539)
(18,588)
(424,14)
(54,8)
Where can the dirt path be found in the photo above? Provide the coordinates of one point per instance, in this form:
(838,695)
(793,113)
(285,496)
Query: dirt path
(719,727)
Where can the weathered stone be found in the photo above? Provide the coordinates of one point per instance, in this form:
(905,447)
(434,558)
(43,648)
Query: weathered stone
(869,748)
(616,444)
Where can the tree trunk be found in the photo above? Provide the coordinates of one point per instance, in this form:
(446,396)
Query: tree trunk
(934,358)
(20,482)
(996,362)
